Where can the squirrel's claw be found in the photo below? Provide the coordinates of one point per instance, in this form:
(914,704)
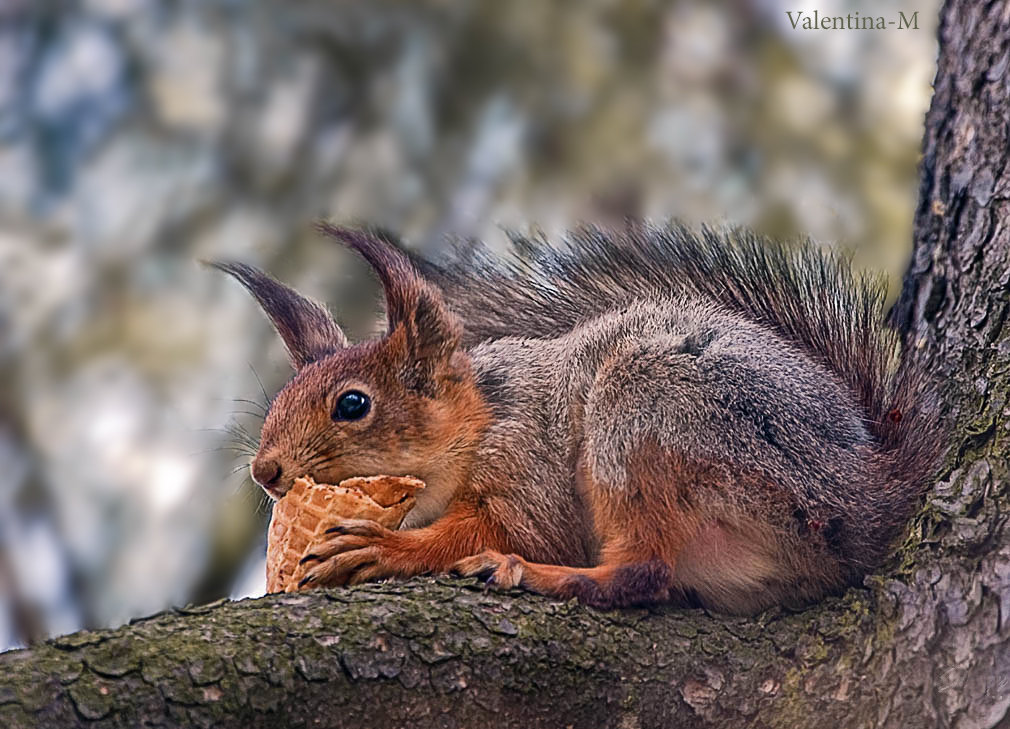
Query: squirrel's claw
(341,568)
(349,552)
(504,571)
(334,546)
(358,527)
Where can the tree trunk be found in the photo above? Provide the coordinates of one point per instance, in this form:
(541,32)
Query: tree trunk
(924,644)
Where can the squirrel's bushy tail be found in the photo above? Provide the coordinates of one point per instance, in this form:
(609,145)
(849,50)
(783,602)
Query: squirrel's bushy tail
(811,298)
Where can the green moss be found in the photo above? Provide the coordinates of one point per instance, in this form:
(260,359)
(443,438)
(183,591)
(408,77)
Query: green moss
(60,666)
(791,707)
(14,717)
(93,696)
(113,658)
(79,639)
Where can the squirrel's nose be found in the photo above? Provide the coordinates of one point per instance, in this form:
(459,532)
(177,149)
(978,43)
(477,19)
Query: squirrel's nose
(265,471)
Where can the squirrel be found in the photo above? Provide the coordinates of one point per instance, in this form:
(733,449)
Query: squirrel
(654,415)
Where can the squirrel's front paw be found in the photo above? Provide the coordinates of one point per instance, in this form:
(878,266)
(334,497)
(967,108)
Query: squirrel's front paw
(500,570)
(351,551)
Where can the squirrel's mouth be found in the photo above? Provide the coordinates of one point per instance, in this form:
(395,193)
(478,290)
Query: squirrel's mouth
(276,493)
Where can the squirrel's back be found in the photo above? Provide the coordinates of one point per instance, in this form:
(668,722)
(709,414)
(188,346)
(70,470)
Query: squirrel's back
(810,300)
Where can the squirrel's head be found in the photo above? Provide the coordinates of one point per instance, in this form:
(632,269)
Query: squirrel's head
(402,404)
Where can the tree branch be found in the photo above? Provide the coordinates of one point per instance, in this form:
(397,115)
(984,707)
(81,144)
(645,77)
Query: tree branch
(438,652)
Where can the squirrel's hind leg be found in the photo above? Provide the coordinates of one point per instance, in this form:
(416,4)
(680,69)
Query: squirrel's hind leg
(641,533)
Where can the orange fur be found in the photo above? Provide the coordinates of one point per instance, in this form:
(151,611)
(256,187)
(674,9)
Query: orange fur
(353,553)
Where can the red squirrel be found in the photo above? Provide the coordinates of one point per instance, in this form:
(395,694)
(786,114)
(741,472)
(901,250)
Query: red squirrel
(653,415)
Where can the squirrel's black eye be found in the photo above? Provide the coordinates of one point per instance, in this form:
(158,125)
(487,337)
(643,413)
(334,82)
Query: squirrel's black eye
(351,405)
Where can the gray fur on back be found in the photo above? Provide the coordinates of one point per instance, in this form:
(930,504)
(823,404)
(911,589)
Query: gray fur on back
(718,344)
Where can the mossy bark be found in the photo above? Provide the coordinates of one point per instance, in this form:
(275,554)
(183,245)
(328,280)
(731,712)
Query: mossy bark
(926,643)
(431,652)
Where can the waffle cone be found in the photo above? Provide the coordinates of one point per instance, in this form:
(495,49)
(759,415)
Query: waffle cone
(310,508)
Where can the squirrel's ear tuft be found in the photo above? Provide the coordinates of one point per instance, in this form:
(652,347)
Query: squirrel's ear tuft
(391,265)
(308,330)
(432,332)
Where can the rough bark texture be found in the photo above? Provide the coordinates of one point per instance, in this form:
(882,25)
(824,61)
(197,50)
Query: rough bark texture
(925,644)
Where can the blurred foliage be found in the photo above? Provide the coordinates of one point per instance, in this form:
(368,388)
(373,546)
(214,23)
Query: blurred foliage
(137,136)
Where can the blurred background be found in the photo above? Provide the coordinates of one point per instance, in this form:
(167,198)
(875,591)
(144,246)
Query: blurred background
(138,136)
